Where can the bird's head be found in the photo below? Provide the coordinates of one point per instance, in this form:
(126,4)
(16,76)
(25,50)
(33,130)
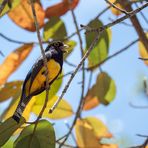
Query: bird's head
(58,46)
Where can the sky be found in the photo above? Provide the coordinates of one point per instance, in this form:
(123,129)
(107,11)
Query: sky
(126,70)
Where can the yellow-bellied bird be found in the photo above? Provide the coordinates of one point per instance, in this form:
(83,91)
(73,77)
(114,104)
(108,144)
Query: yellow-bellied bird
(35,81)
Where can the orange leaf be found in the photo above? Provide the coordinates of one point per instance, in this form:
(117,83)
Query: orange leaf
(60,8)
(22,15)
(90,101)
(109,146)
(13,61)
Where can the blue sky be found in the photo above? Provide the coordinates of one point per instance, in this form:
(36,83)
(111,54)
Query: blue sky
(127,71)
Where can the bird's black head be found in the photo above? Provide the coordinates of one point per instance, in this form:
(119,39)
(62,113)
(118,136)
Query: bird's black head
(58,46)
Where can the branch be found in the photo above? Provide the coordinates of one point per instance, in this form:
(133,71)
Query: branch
(144,17)
(82,54)
(102,28)
(74,73)
(45,65)
(142,145)
(113,55)
(136,23)
(114,6)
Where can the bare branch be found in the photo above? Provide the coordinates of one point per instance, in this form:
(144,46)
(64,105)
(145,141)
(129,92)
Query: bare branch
(136,22)
(45,65)
(113,55)
(114,6)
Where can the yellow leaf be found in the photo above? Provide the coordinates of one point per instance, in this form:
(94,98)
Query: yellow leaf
(85,136)
(13,61)
(143,52)
(99,128)
(22,15)
(114,10)
(63,110)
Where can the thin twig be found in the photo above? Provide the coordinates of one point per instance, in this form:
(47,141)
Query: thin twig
(114,6)
(113,55)
(130,14)
(144,59)
(66,87)
(102,12)
(127,24)
(144,17)
(72,135)
(82,54)
(137,106)
(74,73)
(45,65)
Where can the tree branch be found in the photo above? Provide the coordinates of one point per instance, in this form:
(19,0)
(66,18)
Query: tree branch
(45,65)
(136,23)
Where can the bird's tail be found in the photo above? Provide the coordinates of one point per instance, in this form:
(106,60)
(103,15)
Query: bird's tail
(19,111)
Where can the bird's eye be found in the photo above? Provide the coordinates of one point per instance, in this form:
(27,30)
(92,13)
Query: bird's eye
(56,44)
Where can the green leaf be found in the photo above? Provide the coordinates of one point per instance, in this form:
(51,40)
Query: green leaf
(71,45)
(8,144)
(54,88)
(7,128)
(103,91)
(7,7)
(55,29)
(43,137)
(10,89)
(63,109)
(101,49)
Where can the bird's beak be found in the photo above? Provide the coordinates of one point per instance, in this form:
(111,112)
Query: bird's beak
(64,48)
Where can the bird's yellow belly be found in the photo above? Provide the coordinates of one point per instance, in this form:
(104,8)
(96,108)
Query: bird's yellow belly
(53,70)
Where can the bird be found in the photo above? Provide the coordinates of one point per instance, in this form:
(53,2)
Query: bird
(35,81)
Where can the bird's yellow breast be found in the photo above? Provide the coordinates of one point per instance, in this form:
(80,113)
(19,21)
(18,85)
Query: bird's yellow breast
(53,70)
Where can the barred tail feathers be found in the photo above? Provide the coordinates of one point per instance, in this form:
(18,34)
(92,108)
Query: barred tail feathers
(19,111)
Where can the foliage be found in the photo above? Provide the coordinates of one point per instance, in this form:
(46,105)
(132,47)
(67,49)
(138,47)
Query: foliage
(89,131)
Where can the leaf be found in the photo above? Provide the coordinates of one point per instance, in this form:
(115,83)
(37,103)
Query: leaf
(44,136)
(8,144)
(7,128)
(114,10)
(109,146)
(54,88)
(142,51)
(6,9)
(101,49)
(63,109)
(55,29)
(102,92)
(60,8)
(99,128)
(22,15)
(10,89)
(85,136)
(71,45)
(13,61)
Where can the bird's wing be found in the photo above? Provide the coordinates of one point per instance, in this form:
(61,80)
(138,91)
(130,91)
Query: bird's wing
(32,75)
